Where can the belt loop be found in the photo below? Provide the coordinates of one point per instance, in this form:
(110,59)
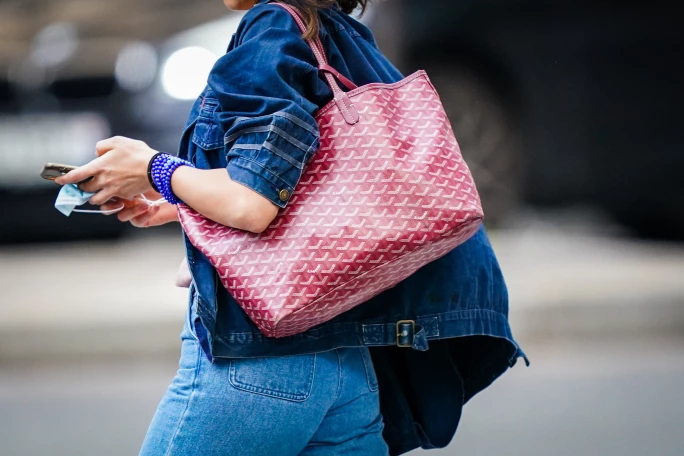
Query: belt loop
(406,331)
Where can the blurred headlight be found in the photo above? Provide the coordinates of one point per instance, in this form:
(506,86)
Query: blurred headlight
(54,45)
(136,66)
(185,72)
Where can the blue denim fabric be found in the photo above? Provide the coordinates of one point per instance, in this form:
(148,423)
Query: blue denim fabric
(311,405)
(255,118)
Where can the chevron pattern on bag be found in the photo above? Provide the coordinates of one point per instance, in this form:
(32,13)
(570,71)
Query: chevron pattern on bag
(380,199)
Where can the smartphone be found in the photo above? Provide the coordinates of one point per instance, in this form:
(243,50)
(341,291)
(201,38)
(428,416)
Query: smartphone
(52,171)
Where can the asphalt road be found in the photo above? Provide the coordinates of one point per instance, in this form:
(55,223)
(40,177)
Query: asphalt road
(595,398)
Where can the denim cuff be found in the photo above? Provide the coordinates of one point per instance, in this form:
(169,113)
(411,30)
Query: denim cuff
(254,176)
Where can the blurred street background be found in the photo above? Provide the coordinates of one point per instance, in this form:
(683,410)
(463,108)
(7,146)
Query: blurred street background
(568,113)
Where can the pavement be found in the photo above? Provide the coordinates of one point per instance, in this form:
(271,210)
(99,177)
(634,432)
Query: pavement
(96,299)
(611,399)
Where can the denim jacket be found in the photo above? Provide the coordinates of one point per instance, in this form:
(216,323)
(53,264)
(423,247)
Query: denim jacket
(256,119)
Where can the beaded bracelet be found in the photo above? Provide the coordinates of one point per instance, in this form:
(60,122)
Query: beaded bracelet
(149,172)
(161,168)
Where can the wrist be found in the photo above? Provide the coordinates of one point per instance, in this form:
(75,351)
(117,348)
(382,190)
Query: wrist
(150,179)
(179,179)
(163,166)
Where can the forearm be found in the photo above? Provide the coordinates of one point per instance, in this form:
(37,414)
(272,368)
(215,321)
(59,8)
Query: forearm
(214,195)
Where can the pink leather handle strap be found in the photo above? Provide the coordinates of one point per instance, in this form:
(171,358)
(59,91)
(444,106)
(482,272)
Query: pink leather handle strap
(345,82)
(349,112)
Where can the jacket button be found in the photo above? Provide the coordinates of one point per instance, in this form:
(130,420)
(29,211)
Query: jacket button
(284,195)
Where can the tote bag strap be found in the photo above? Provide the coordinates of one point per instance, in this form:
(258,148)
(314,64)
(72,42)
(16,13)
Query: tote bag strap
(348,110)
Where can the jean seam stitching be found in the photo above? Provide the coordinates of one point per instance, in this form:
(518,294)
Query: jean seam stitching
(191,323)
(187,405)
(312,377)
(268,393)
(366,369)
(339,376)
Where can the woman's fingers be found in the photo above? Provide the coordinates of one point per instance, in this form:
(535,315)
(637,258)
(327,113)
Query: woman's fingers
(129,213)
(93,185)
(153,195)
(82,173)
(145,219)
(140,213)
(113,204)
(101,197)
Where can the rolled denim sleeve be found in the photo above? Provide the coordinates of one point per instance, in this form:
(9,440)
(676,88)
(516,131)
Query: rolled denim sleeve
(260,84)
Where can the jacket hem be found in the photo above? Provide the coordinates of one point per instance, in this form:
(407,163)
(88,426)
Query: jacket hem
(463,323)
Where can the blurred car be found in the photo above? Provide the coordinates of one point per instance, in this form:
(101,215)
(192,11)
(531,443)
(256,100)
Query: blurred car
(557,103)
(63,93)
(56,104)
(553,103)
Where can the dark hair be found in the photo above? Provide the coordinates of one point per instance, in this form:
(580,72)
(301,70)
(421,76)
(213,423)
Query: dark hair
(310,8)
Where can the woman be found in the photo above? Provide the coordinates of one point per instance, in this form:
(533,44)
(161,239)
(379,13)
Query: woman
(249,135)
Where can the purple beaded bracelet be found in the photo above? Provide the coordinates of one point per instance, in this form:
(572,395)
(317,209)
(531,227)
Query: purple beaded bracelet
(162,167)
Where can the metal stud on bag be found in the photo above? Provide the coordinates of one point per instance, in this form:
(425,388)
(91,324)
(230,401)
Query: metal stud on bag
(386,193)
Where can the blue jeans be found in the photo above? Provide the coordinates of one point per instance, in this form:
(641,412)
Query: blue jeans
(318,404)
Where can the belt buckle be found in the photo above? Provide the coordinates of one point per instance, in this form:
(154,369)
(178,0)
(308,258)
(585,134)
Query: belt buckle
(402,333)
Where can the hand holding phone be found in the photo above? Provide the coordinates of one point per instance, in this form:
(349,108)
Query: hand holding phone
(52,171)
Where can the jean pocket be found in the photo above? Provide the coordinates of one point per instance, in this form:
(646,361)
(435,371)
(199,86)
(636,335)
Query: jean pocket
(371,377)
(287,377)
